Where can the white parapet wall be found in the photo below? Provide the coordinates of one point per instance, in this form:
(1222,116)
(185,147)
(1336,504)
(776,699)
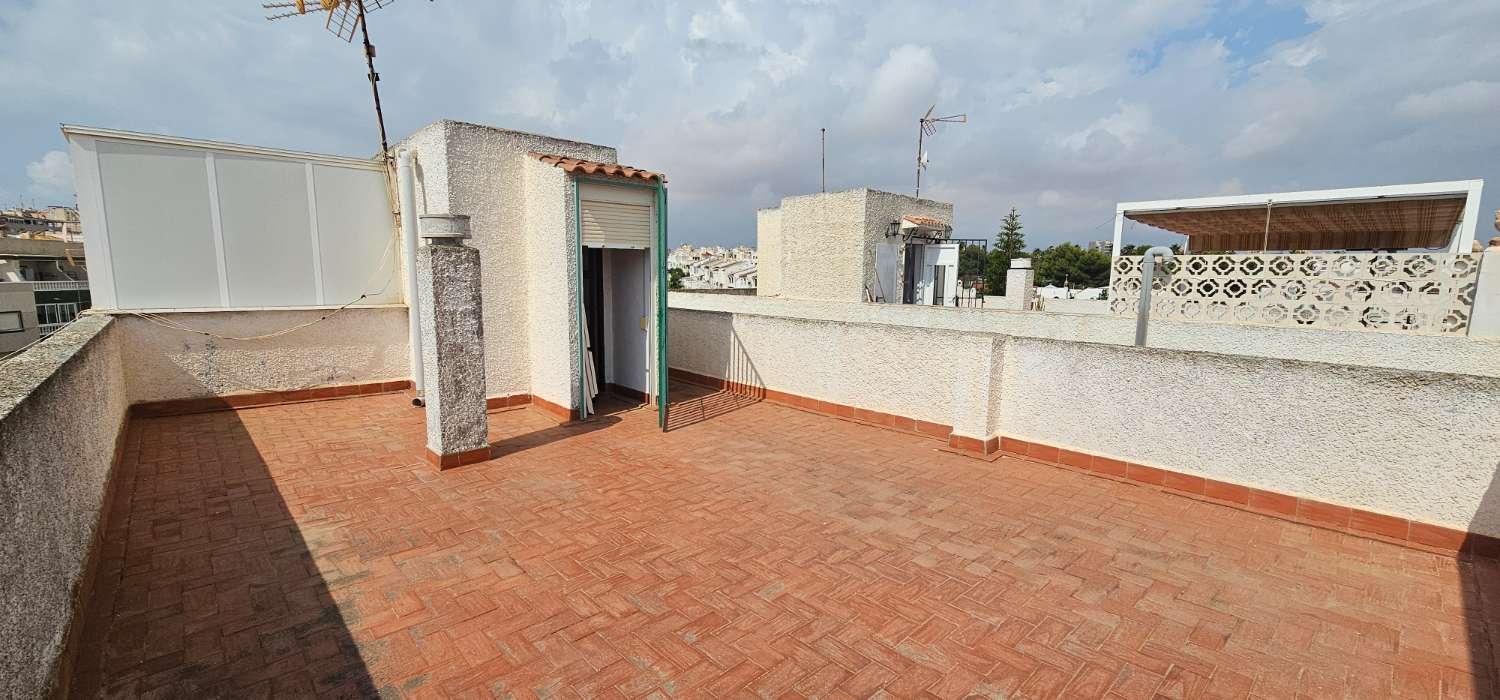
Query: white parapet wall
(1394,424)
(355,346)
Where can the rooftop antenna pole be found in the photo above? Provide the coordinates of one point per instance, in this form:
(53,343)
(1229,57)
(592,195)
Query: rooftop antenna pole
(364,30)
(927,126)
(823,135)
(344,17)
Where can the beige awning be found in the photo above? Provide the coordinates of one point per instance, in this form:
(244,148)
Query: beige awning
(1417,222)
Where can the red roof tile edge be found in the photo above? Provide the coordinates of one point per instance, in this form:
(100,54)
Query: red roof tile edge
(589,167)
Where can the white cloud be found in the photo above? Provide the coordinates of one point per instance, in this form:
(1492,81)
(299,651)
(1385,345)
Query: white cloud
(51,176)
(1468,97)
(1073,104)
(899,89)
(1127,126)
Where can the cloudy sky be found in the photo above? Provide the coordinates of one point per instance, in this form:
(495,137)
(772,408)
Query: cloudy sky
(1073,105)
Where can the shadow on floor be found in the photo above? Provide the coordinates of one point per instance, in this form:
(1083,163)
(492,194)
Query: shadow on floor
(206,585)
(692,404)
(562,431)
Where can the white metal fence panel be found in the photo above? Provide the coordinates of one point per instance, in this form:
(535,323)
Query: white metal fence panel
(182,223)
(1431,293)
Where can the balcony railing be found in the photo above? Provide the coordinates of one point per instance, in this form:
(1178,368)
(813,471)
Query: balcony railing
(60,286)
(1428,293)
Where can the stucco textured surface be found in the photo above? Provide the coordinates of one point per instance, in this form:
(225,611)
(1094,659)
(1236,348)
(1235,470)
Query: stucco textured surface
(481,171)
(913,372)
(550,266)
(1391,350)
(1422,445)
(354,346)
(825,242)
(768,252)
(452,347)
(62,406)
(1409,442)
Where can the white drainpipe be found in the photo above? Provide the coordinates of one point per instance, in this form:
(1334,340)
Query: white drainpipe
(407,184)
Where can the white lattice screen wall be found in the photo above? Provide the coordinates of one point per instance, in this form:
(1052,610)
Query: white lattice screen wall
(1403,292)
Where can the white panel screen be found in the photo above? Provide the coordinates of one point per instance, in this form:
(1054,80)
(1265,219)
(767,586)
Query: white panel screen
(267,231)
(355,231)
(156,201)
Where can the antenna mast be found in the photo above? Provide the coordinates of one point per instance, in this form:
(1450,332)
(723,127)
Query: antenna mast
(344,16)
(927,126)
(823,136)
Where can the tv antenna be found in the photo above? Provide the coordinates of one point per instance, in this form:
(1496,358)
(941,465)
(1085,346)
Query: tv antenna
(345,17)
(927,126)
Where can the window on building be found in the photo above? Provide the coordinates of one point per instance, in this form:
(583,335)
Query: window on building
(10,322)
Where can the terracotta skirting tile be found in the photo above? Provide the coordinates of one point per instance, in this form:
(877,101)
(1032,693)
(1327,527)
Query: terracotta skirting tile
(1225,491)
(1105,465)
(458,459)
(1014,446)
(1272,502)
(1038,451)
(1377,524)
(1321,513)
(207,404)
(1144,474)
(904,424)
(1437,536)
(930,429)
(1186,483)
(1080,460)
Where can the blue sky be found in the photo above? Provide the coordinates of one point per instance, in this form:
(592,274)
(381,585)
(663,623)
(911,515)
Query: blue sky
(1073,105)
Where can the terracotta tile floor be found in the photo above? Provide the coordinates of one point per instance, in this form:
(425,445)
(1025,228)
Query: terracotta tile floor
(754,550)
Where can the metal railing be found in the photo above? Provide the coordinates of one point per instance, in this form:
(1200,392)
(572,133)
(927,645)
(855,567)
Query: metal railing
(60,286)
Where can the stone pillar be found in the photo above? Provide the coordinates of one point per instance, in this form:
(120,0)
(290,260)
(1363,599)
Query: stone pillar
(452,331)
(1484,318)
(1020,285)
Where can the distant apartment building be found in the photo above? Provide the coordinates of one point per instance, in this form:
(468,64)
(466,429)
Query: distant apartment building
(55,221)
(1106,247)
(43,286)
(715,267)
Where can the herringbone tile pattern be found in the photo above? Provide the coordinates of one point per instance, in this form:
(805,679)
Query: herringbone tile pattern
(308,550)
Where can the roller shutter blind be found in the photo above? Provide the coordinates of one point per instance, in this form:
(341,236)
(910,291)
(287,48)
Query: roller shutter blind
(615,224)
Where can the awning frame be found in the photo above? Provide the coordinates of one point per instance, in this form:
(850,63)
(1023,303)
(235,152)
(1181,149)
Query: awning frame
(1460,242)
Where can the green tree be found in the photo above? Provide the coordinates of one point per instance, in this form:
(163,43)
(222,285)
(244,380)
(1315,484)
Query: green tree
(1010,243)
(674,277)
(1069,265)
(971,262)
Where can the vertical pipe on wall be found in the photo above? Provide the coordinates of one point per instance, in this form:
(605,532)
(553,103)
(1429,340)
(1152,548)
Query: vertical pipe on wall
(408,193)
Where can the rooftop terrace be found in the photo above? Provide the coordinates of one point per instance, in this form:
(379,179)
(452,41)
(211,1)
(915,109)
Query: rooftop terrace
(752,549)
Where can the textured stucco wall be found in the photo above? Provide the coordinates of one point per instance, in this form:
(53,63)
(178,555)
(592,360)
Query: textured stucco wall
(828,240)
(768,252)
(1409,442)
(551,269)
(1422,445)
(1076,306)
(62,406)
(911,372)
(1458,354)
(482,171)
(452,331)
(354,346)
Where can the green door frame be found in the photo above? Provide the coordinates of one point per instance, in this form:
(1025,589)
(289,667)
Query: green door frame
(660,244)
